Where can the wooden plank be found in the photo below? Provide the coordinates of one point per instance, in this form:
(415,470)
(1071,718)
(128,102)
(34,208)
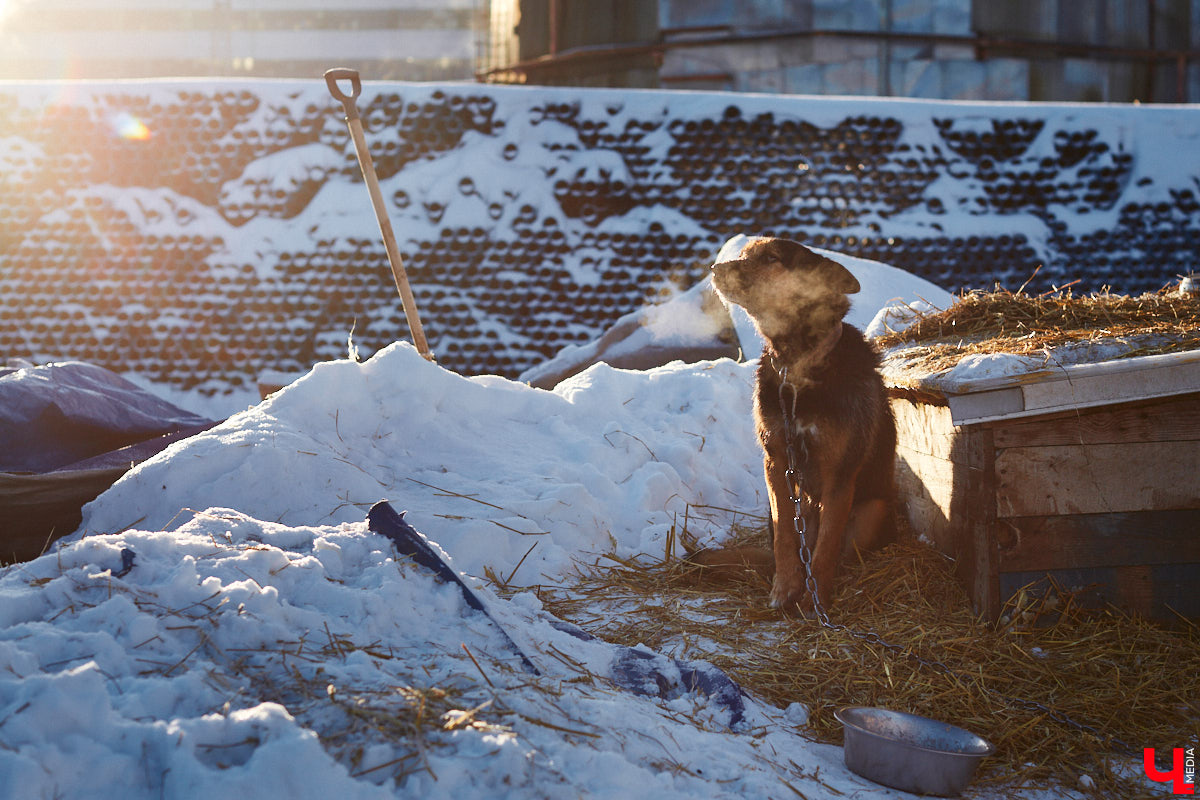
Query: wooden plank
(68,486)
(34,529)
(1160,592)
(1098,540)
(1159,420)
(976,407)
(929,429)
(952,505)
(1068,387)
(1118,381)
(925,488)
(923,428)
(1097,479)
(978,508)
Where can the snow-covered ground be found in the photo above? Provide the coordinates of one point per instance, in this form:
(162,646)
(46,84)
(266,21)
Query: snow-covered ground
(224,622)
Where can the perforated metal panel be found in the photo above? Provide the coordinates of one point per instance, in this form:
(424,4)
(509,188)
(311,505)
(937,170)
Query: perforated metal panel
(230,232)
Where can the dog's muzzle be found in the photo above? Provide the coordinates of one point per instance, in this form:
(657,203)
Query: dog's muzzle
(723,274)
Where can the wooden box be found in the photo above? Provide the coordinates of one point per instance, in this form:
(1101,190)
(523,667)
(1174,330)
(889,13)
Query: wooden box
(1087,475)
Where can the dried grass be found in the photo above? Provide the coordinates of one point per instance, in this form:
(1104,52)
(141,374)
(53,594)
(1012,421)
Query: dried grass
(1136,684)
(1001,321)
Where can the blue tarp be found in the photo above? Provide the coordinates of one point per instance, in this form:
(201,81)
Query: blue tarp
(55,415)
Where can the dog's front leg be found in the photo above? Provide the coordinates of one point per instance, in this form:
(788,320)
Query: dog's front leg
(788,590)
(836,504)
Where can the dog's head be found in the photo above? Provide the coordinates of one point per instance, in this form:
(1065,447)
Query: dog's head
(785,287)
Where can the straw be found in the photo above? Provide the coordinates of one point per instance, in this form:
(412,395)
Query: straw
(1001,321)
(1133,681)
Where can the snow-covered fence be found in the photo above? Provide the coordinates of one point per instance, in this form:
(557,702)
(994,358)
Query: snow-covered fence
(200,232)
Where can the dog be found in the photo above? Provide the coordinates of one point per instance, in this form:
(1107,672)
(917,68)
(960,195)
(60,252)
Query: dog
(835,397)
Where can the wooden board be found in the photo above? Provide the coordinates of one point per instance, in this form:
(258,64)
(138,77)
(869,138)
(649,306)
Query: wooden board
(18,490)
(1068,387)
(1168,419)
(930,430)
(980,506)
(37,509)
(1097,479)
(944,481)
(1098,540)
(1162,592)
(925,488)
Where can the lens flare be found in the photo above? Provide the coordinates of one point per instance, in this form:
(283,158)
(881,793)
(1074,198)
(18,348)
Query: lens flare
(130,127)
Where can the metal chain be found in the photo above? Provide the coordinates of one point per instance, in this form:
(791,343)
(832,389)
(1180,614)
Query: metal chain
(796,492)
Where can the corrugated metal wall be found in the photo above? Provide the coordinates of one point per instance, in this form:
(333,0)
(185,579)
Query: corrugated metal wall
(199,232)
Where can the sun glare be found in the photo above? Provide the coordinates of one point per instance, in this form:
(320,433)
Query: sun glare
(130,127)
(7,7)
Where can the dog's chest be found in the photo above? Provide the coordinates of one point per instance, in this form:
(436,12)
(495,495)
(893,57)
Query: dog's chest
(770,409)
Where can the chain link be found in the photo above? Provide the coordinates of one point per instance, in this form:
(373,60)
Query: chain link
(796,491)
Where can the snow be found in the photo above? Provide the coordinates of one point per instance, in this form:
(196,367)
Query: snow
(682,321)
(982,371)
(264,640)
(609,458)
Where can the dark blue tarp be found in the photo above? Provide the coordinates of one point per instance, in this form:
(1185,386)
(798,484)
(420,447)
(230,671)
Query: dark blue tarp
(58,414)
(659,675)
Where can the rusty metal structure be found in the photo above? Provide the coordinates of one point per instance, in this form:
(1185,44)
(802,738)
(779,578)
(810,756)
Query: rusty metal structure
(1095,50)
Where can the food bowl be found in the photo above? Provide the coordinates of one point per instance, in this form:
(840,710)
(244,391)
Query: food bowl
(910,752)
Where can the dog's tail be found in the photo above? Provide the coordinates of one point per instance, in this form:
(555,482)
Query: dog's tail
(733,564)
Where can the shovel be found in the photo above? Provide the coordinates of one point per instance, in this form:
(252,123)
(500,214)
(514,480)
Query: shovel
(385,226)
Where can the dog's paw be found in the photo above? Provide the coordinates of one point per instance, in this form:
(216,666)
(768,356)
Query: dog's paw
(791,597)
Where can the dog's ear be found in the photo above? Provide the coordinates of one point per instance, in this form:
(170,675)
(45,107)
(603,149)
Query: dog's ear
(839,277)
(832,273)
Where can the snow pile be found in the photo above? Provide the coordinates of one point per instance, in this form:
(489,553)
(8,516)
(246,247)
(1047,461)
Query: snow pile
(196,654)
(611,459)
(225,622)
(236,657)
(608,461)
(689,326)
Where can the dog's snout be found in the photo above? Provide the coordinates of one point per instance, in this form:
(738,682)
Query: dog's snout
(722,275)
(726,266)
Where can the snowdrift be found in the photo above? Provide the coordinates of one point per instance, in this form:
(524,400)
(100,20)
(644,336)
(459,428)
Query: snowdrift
(609,461)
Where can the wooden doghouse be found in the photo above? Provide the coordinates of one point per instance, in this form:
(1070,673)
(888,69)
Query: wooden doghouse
(1086,476)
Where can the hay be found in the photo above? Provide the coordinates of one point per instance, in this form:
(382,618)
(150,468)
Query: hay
(1001,321)
(1136,684)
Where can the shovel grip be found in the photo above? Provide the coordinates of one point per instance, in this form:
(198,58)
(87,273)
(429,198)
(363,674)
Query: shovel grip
(336,74)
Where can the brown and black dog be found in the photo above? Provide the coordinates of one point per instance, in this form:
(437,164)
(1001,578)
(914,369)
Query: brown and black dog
(797,300)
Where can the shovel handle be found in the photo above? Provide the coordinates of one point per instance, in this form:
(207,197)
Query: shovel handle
(372,181)
(336,74)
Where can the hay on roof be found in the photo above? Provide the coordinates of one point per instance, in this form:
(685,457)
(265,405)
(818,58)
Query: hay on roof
(1001,321)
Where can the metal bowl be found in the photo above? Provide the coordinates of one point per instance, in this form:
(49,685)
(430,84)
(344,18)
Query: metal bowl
(909,752)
